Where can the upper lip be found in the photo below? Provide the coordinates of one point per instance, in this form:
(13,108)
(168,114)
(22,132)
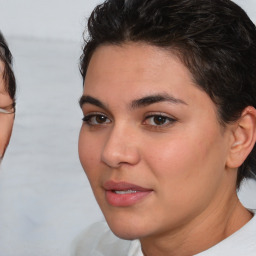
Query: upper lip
(123,186)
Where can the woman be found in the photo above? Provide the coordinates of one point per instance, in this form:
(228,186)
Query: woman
(7,95)
(169,127)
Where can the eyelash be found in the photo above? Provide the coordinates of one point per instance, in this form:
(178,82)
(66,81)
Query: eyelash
(91,120)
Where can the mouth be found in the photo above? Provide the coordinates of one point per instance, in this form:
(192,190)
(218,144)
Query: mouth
(122,194)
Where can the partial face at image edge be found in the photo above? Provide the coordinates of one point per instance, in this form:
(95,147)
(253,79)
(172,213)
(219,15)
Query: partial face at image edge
(6,115)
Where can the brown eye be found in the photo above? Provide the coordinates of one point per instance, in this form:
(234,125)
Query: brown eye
(96,119)
(159,120)
(100,119)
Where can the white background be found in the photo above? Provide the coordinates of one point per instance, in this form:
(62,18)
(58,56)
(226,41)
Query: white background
(58,19)
(45,198)
(45,19)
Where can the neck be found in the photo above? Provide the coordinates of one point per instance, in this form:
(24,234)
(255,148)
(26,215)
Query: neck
(212,226)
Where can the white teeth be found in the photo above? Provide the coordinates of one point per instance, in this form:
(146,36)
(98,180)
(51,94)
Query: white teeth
(122,192)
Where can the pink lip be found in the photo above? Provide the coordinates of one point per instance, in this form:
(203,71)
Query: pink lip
(126,199)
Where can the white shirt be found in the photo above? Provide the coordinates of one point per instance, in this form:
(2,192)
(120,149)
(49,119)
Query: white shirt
(98,240)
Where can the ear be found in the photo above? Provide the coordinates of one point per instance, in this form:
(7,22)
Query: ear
(243,138)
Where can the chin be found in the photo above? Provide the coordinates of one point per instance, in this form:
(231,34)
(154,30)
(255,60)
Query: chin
(126,228)
(127,223)
(126,234)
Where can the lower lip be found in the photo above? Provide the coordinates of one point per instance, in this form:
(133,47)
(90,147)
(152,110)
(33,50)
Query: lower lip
(128,199)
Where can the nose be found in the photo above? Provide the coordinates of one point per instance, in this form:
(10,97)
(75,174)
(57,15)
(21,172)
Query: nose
(120,148)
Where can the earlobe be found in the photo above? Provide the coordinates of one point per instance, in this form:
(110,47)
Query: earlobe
(244,138)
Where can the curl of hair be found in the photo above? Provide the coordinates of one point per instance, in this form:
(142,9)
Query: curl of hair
(215,40)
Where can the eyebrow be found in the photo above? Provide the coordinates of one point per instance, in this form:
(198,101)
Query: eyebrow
(142,102)
(86,99)
(155,98)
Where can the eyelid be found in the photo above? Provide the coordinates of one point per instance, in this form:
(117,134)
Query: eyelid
(171,119)
(163,114)
(92,109)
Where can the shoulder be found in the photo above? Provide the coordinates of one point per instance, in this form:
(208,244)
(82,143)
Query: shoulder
(98,240)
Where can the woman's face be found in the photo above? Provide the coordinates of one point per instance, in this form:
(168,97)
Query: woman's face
(6,120)
(150,144)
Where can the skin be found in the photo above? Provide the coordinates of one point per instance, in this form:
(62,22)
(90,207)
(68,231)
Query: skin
(6,120)
(193,204)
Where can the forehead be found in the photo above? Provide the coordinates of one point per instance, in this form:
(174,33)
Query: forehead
(140,56)
(135,68)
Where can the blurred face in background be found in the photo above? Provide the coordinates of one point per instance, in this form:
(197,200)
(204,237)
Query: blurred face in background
(6,114)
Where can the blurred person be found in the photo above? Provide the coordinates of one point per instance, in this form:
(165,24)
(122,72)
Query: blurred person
(7,95)
(169,127)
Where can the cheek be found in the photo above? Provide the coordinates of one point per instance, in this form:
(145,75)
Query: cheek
(189,164)
(89,154)
(185,175)
(174,156)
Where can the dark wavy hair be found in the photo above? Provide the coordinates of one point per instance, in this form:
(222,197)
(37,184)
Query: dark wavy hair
(8,75)
(214,39)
